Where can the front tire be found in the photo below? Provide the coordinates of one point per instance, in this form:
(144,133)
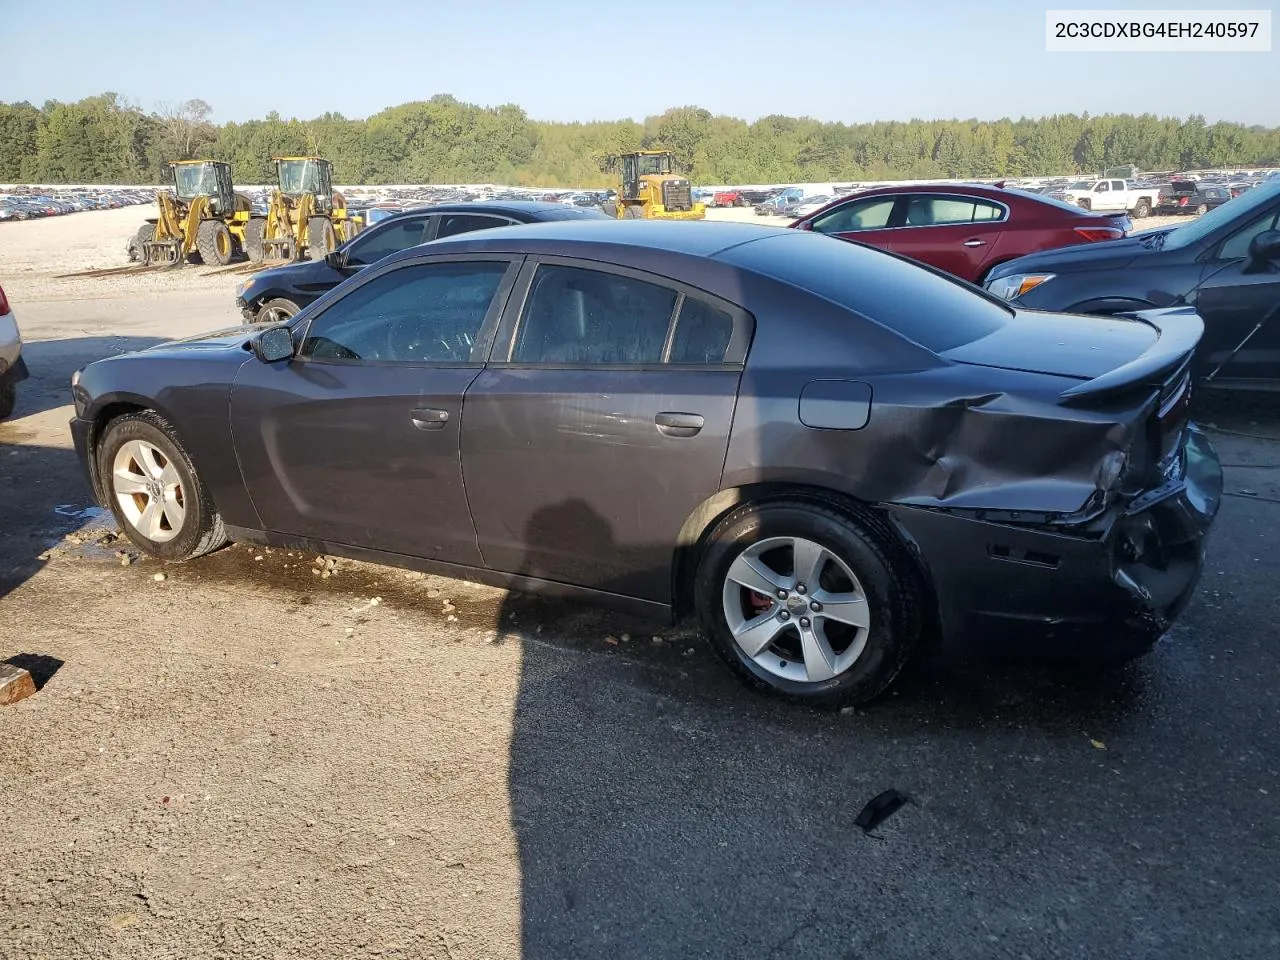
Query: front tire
(633,212)
(321,240)
(145,234)
(802,600)
(276,310)
(255,232)
(153,490)
(213,240)
(1202,210)
(1085,204)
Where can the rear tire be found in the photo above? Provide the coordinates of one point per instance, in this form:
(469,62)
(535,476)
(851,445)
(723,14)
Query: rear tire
(255,232)
(276,310)
(1202,210)
(321,239)
(859,574)
(8,400)
(153,490)
(1143,209)
(213,240)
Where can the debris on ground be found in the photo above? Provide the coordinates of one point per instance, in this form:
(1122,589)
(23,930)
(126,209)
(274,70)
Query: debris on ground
(15,684)
(158,577)
(879,809)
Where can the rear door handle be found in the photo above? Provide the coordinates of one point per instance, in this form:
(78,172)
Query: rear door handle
(678,424)
(975,243)
(428,418)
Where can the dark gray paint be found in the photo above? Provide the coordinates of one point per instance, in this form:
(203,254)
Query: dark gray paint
(570,479)
(835,404)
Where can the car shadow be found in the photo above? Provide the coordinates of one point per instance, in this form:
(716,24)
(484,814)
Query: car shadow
(51,363)
(46,495)
(653,796)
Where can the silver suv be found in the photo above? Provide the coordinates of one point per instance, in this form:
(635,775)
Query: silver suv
(12,367)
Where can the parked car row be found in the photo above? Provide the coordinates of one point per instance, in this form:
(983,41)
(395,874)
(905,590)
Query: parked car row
(32,206)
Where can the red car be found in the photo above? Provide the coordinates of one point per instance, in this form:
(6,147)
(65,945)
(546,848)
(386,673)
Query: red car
(962,229)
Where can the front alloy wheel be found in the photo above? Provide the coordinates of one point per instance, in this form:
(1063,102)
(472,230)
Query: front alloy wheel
(795,609)
(149,491)
(153,489)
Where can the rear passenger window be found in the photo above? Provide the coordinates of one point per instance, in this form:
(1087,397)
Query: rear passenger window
(702,334)
(582,316)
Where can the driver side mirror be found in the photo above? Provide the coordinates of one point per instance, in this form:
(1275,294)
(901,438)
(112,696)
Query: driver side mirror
(337,259)
(273,345)
(1265,248)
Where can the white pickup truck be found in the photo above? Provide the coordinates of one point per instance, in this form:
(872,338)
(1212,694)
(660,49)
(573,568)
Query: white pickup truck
(1107,196)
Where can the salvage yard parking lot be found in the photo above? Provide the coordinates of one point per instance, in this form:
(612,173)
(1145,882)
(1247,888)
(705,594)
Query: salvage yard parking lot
(265,752)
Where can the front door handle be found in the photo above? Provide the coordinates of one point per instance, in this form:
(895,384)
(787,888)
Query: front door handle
(975,243)
(678,424)
(428,418)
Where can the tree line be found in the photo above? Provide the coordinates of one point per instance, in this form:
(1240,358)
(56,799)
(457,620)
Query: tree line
(105,139)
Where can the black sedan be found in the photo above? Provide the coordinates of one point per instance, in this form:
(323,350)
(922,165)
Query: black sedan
(279,293)
(824,450)
(1225,265)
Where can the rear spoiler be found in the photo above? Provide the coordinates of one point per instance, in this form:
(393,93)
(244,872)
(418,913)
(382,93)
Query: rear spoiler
(1178,330)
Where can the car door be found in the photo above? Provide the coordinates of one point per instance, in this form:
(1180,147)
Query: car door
(355,440)
(952,232)
(1239,302)
(867,220)
(600,424)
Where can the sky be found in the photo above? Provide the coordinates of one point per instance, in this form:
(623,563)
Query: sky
(851,61)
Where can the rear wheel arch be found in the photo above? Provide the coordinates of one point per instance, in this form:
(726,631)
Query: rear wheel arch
(694,535)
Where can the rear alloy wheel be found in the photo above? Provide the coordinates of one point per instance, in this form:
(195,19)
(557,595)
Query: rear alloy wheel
(1143,209)
(153,491)
(213,240)
(321,240)
(803,601)
(276,310)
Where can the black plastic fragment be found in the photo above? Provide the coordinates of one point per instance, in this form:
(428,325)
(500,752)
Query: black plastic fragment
(880,808)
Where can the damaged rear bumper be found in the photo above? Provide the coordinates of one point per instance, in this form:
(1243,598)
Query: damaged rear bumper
(1126,574)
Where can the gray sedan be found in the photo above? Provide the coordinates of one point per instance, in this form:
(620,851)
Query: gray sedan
(825,451)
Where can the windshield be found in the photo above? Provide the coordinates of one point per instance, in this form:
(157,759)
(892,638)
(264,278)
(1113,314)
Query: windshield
(652,165)
(1081,185)
(299,176)
(1237,209)
(196,180)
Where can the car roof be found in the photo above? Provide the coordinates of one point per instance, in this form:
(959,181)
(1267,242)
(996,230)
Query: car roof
(533,209)
(697,239)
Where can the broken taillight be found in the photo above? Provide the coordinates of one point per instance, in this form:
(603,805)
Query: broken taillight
(1093,234)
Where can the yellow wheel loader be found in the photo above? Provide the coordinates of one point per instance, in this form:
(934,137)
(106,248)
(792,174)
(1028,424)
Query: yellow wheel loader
(305,217)
(203,216)
(651,190)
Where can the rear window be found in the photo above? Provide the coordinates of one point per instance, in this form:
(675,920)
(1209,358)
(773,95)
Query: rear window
(929,308)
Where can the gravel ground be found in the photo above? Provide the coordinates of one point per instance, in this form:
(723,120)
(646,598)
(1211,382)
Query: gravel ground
(249,759)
